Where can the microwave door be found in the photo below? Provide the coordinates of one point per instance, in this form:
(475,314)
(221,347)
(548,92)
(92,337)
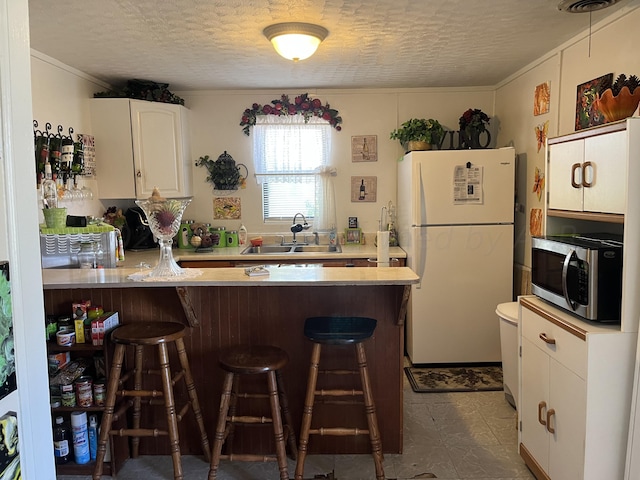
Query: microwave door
(565,278)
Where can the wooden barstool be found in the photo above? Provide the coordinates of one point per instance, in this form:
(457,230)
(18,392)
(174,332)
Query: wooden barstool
(339,331)
(140,335)
(253,360)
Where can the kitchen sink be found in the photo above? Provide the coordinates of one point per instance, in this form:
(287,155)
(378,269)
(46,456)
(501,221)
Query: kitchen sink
(317,249)
(271,249)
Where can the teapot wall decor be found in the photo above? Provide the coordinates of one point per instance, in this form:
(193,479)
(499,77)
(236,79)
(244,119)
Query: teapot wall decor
(224,174)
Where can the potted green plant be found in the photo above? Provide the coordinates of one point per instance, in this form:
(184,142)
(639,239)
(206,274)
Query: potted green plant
(418,134)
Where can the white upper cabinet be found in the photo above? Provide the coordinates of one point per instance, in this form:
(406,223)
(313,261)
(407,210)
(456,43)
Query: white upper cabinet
(140,145)
(586,174)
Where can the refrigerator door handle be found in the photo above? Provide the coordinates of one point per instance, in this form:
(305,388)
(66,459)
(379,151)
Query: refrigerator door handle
(417,199)
(419,255)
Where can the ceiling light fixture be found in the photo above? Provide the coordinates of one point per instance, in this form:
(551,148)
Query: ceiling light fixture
(294,40)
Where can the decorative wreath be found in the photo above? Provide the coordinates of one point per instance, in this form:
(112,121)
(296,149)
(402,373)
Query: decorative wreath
(302,105)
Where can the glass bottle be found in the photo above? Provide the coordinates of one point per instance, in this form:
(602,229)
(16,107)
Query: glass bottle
(66,157)
(362,190)
(99,255)
(49,189)
(61,442)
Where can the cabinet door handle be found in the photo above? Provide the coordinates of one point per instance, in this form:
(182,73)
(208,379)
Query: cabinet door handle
(586,165)
(550,414)
(545,339)
(574,168)
(541,407)
(139,174)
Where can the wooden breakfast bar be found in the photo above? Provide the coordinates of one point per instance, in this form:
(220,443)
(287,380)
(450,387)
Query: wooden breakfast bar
(224,307)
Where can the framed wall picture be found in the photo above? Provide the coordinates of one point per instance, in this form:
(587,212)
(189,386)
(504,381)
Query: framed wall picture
(586,113)
(8,372)
(9,454)
(353,222)
(352,235)
(227,208)
(542,98)
(364,148)
(364,189)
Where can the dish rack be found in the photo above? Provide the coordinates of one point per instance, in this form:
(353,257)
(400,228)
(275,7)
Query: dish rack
(60,250)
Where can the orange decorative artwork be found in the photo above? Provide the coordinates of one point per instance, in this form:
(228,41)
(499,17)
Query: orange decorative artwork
(542,98)
(535,222)
(541,134)
(538,183)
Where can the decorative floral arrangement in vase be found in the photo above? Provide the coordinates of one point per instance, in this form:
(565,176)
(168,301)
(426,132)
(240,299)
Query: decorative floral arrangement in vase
(472,123)
(618,100)
(164,216)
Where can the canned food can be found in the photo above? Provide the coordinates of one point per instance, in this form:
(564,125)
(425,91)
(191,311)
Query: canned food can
(84,391)
(65,324)
(99,392)
(67,396)
(66,339)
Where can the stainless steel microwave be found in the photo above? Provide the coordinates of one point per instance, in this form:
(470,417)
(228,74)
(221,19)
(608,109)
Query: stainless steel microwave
(580,273)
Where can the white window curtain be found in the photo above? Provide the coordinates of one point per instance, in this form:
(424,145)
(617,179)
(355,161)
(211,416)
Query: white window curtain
(288,150)
(325,214)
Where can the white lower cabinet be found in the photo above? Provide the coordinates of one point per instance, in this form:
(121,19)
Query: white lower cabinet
(576,380)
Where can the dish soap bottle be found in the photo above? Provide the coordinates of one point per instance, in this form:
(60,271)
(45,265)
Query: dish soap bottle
(242,235)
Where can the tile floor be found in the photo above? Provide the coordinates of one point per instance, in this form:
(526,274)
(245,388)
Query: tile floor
(448,436)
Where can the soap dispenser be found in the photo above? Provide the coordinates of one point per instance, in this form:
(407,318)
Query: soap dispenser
(242,235)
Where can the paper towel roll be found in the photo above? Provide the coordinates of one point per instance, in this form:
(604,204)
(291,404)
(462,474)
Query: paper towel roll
(383,249)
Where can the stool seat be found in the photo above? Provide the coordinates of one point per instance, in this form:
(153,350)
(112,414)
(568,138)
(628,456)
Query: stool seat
(339,330)
(252,359)
(148,333)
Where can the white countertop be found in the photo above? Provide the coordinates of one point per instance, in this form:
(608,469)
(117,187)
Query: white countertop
(289,275)
(133,259)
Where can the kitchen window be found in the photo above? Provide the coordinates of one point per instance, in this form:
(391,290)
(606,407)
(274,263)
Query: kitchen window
(288,155)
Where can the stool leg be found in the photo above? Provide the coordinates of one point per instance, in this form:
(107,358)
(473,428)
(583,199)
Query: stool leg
(372,420)
(107,416)
(276,417)
(308,410)
(233,409)
(218,439)
(170,407)
(191,389)
(284,404)
(137,385)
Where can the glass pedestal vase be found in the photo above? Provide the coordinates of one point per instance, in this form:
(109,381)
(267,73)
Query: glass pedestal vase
(164,217)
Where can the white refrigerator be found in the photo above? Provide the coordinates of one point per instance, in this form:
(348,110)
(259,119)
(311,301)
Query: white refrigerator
(455,221)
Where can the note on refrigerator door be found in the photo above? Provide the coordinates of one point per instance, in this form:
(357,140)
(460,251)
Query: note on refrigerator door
(468,185)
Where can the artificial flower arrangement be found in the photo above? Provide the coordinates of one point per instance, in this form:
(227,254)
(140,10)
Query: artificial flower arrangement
(302,105)
(474,118)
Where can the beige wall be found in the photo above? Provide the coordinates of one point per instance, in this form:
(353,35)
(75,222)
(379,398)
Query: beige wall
(60,96)
(612,51)
(364,112)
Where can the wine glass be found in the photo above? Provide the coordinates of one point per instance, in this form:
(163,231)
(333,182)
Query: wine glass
(164,217)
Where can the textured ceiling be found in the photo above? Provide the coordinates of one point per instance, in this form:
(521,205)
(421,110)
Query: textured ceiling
(218,44)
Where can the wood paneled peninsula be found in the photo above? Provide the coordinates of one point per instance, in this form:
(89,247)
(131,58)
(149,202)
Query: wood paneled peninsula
(223,307)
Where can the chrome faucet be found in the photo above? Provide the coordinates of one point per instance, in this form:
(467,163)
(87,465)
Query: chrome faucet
(297,227)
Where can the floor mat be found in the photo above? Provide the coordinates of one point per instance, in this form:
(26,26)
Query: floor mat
(454,379)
